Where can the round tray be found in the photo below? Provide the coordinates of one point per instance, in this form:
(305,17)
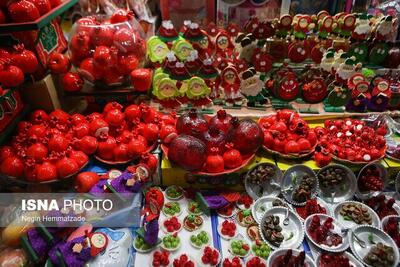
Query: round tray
(203,245)
(352,260)
(290,156)
(383,173)
(350,224)
(337,229)
(173,198)
(225,236)
(363,232)
(386,218)
(172,215)
(342,192)
(345,161)
(288,183)
(142,250)
(171,249)
(295,226)
(295,252)
(266,203)
(165,229)
(208,265)
(246,161)
(9,180)
(266,188)
(116,163)
(252,257)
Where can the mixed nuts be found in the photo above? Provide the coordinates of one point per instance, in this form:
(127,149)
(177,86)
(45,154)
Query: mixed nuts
(356,213)
(260,174)
(303,192)
(331,177)
(380,255)
(272,230)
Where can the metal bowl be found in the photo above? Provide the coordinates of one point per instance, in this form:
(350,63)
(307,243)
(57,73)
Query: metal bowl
(263,204)
(352,260)
(274,255)
(383,174)
(338,193)
(386,218)
(337,228)
(291,180)
(269,188)
(320,202)
(294,227)
(350,224)
(364,232)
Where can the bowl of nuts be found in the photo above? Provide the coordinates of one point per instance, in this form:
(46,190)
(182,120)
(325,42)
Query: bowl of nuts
(337,183)
(264,179)
(353,213)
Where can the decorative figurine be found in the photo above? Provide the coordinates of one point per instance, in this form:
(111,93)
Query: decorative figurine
(223,45)
(157,50)
(359,51)
(314,91)
(154,201)
(381,95)
(359,98)
(251,87)
(198,92)
(302,26)
(325,27)
(378,53)
(166,91)
(346,70)
(383,28)
(362,28)
(182,49)
(283,26)
(347,25)
(327,61)
(230,85)
(167,33)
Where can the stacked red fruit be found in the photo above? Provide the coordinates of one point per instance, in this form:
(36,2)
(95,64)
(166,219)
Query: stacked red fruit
(25,10)
(234,262)
(124,135)
(183,261)
(255,262)
(228,228)
(382,206)
(287,133)
(392,229)
(333,260)
(218,145)
(48,147)
(109,50)
(172,224)
(160,258)
(370,180)
(210,256)
(351,140)
(15,63)
(311,207)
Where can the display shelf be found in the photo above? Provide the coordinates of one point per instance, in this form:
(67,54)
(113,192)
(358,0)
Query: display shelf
(40,22)
(10,128)
(102,92)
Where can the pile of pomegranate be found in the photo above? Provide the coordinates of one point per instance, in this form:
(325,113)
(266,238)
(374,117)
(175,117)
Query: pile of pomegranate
(57,145)
(217,145)
(288,134)
(108,50)
(48,147)
(351,140)
(25,10)
(14,64)
(125,134)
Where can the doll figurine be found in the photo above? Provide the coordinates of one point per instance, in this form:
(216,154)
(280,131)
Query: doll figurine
(315,91)
(283,26)
(325,26)
(154,201)
(340,57)
(251,87)
(169,62)
(347,25)
(167,32)
(233,29)
(193,62)
(204,45)
(197,92)
(383,28)
(230,85)
(166,91)
(354,80)
(346,70)
(302,26)
(359,98)
(381,95)
(193,32)
(157,50)
(327,61)
(210,75)
(223,45)
(182,49)
(251,24)
(246,47)
(362,28)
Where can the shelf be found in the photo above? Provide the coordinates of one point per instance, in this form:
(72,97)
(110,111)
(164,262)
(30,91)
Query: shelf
(40,22)
(107,92)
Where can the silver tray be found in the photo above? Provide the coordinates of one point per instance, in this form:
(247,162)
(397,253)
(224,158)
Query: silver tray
(270,187)
(353,260)
(309,262)
(291,180)
(363,232)
(383,173)
(262,205)
(385,220)
(295,226)
(337,228)
(350,224)
(338,193)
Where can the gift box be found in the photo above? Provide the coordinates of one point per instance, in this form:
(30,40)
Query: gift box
(11,106)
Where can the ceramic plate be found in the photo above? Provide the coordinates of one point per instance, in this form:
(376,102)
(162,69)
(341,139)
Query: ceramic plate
(269,188)
(142,250)
(336,229)
(172,215)
(291,180)
(338,193)
(352,260)
(349,224)
(320,202)
(203,245)
(165,229)
(226,237)
(261,260)
(385,220)
(208,265)
(177,188)
(262,205)
(244,243)
(295,228)
(364,233)
(274,255)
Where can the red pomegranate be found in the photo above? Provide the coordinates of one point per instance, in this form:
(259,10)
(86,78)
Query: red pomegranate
(137,146)
(221,121)
(188,152)
(80,157)
(39,116)
(45,172)
(106,148)
(191,123)
(121,153)
(214,162)
(167,133)
(133,112)
(214,138)
(246,135)
(37,152)
(6,152)
(88,144)
(232,157)
(12,166)
(58,143)
(66,166)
